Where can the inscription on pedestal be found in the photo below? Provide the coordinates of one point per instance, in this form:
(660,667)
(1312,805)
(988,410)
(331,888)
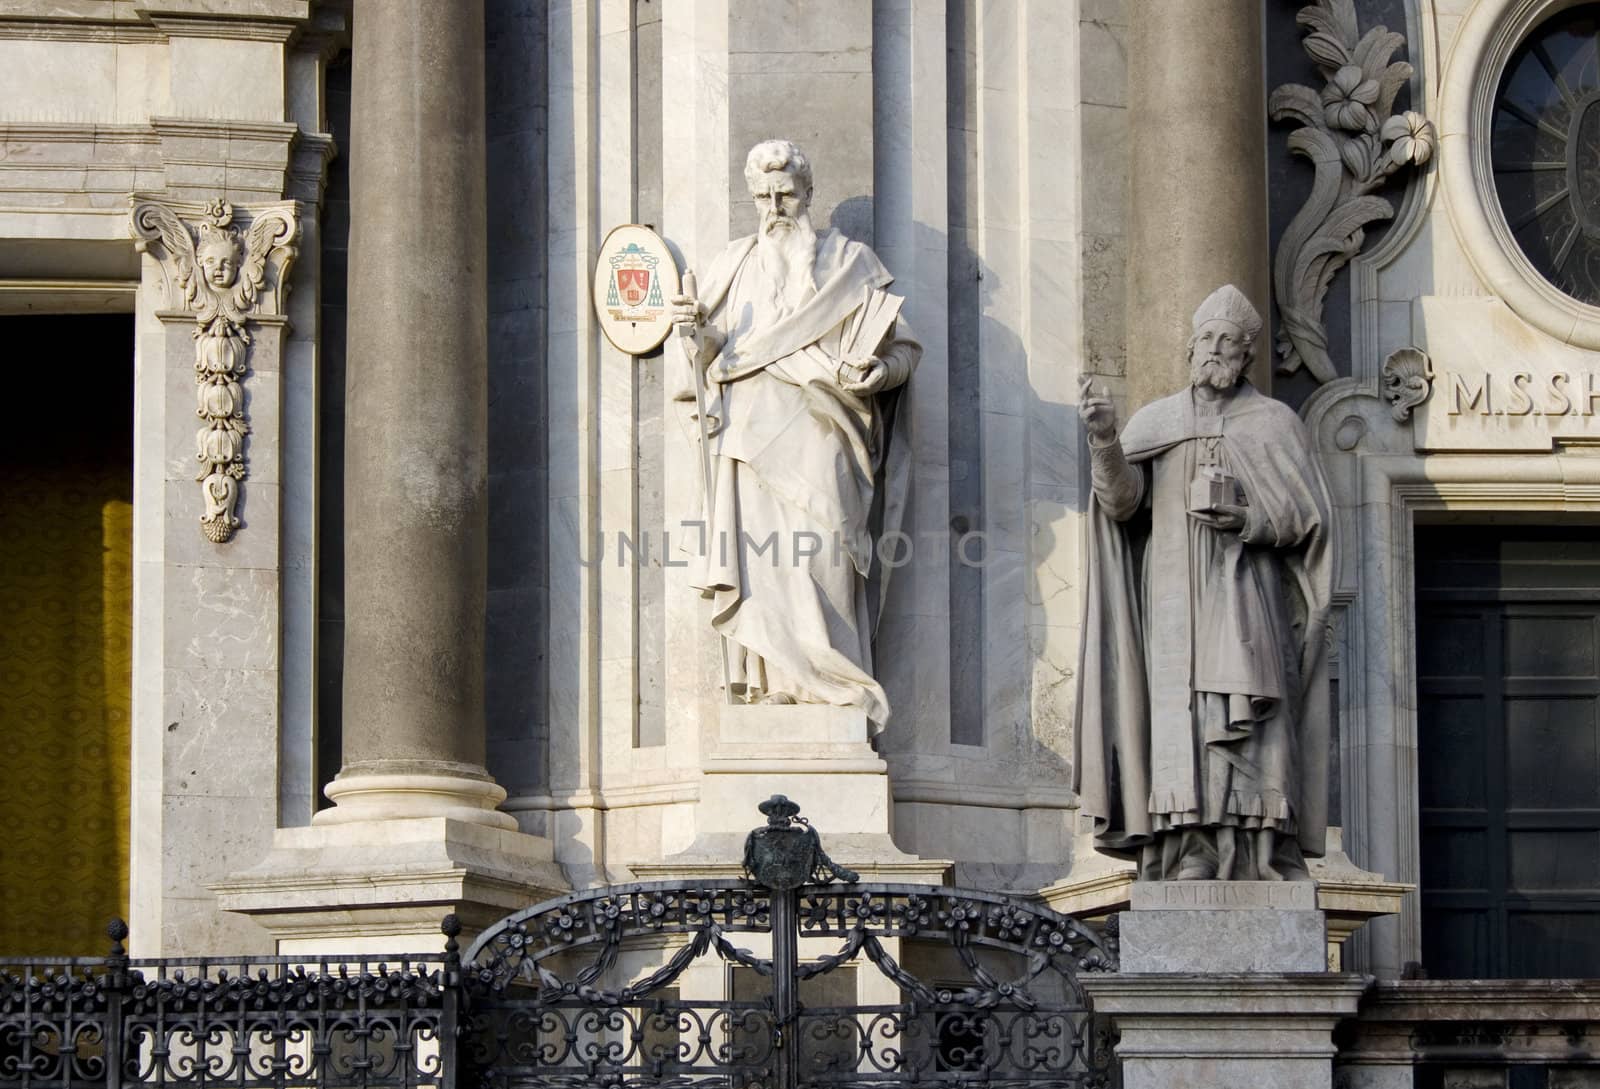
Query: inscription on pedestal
(1243,895)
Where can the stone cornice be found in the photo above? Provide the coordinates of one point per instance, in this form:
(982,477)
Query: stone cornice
(76,30)
(248,160)
(185,159)
(72,132)
(289,11)
(158,20)
(935,792)
(249,20)
(222,28)
(308,166)
(256,130)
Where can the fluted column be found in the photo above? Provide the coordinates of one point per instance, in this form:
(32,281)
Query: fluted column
(416,436)
(1197,210)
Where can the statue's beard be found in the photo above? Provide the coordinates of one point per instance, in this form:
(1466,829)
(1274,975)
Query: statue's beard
(1214,373)
(788,252)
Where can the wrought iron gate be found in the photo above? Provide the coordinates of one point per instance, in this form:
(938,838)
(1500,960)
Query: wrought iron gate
(852,985)
(616,986)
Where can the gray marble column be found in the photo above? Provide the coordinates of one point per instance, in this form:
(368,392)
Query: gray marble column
(416,411)
(1197,209)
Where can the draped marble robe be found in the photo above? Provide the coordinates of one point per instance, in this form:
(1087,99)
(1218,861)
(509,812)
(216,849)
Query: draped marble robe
(1202,685)
(796,455)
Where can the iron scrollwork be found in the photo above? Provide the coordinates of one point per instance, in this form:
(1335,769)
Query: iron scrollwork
(75,1023)
(609,986)
(820,985)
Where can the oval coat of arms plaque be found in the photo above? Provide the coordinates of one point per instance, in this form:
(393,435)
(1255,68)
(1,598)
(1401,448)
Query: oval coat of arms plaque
(634,279)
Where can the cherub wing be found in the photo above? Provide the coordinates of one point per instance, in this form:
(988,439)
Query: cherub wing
(271,230)
(156,222)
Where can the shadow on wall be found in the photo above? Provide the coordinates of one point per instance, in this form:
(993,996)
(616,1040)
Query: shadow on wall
(854,218)
(1004,545)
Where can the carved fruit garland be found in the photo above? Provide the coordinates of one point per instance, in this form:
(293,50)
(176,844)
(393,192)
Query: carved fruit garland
(1355,146)
(220,276)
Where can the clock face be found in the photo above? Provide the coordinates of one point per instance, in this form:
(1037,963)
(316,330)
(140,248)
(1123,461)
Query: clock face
(1545,147)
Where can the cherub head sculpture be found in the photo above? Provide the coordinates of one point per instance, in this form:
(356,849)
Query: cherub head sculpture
(218,254)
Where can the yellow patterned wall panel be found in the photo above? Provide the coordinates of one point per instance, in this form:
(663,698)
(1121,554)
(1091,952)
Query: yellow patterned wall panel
(66,594)
(66,590)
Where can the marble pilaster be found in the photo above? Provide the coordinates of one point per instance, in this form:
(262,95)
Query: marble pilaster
(208,644)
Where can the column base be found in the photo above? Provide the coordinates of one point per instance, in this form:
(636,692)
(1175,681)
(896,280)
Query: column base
(366,886)
(382,791)
(820,757)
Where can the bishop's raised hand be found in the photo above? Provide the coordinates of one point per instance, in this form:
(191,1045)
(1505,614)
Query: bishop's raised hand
(1096,410)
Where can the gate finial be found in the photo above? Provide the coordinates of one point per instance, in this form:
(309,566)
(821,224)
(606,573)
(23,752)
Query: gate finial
(788,852)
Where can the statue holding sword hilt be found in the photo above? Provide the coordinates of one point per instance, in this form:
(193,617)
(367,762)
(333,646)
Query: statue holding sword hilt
(799,358)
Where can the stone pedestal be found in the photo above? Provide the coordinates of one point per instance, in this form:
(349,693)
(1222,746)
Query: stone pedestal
(1226,1031)
(820,757)
(1222,987)
(1347,895)
(1224,926)
(369,886)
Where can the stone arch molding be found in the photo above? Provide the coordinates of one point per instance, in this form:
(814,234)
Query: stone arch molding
(1484,43)
(225,269)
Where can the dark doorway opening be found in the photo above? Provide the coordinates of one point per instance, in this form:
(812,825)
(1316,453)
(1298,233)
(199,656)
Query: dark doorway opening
(66,628)
(1508,733)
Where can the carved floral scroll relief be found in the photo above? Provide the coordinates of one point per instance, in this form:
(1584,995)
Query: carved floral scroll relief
(1356,143)
(226,273)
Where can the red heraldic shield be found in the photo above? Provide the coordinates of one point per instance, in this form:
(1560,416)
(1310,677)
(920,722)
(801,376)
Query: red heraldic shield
(633,284)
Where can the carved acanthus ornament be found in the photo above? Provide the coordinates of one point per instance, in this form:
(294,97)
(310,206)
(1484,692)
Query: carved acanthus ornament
(226,275)
(1356,147)
(1407,379)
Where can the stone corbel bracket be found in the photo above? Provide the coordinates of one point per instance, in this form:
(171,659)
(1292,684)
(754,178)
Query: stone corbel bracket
(225,272)
(1407,380)
(1356,145)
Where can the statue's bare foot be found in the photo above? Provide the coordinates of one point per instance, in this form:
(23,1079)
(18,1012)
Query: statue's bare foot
(777,698)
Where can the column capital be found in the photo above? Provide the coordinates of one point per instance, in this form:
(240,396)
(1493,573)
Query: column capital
(264,238)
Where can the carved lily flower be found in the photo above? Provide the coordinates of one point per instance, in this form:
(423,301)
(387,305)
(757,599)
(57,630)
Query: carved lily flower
(1410,138)
(1347,99)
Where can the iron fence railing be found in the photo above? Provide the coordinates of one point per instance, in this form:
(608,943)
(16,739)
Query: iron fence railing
(846,985)
(257,1022)
(539,1005)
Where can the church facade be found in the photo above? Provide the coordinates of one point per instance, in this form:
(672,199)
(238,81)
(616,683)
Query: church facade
(358,586)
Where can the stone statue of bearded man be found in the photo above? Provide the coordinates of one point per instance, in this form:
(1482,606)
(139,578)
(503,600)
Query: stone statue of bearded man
(1202,688)
(804,360)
